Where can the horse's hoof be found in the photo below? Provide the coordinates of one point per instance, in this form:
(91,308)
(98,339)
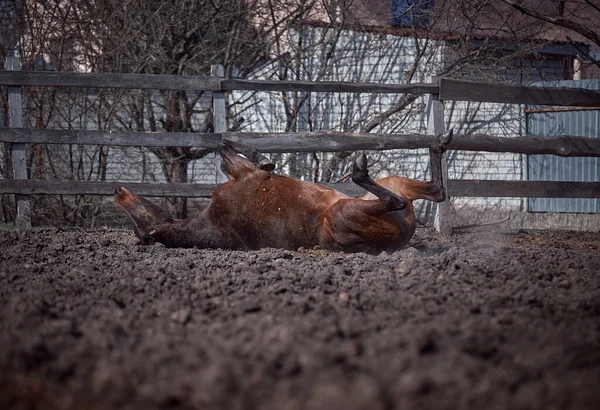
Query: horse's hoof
(402,203)
(360,165)
(360,171)
(266,165)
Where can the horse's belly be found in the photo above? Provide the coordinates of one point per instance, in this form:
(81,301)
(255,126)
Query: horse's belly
(266,210)
(280,230)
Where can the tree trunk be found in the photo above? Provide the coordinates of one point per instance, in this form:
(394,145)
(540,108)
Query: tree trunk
(179,174)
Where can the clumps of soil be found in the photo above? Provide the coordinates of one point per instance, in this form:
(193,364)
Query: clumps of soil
(89,319)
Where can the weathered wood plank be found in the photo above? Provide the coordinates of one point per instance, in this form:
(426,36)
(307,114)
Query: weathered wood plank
(567,146)
(450,89)
(200,83)
(114,138)
(328,141)
(326,86)
(109,80)
(187,190)
(456,188)
(564,146)
(18,150)
(50,187)
(524,189)
(460,90)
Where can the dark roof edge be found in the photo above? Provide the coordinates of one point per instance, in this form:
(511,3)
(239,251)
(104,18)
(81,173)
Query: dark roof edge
(555,47)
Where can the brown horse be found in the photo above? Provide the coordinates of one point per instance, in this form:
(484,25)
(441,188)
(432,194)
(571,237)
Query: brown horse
(257,209)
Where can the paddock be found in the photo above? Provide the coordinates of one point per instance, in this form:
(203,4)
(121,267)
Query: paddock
(459,319)
(477,320)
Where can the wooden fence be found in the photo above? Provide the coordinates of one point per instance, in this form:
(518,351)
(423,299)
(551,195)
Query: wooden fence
(443,90)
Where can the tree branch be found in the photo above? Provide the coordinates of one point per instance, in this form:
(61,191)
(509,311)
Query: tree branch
(595,6)
(557,21)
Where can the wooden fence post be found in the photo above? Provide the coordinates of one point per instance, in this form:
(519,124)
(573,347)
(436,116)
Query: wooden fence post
(219,119)
(435,126)
(19,157)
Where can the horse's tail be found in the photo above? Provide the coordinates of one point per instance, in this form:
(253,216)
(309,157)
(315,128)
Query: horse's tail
(412,189)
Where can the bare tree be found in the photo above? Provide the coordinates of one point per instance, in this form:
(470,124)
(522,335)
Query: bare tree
(176,37)
(580,17)
(589,28)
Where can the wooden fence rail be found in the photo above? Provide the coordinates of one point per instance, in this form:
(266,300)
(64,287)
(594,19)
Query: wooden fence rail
(566,146)
(447,89)
(197,83)
(460,90)
(456,188)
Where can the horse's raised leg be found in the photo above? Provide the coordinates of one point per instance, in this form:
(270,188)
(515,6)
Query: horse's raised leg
(436,154)
(360,176)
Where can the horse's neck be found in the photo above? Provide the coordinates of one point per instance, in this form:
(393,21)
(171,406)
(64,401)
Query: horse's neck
(199,231)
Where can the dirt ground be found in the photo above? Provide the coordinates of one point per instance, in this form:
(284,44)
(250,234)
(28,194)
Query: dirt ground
(90,320)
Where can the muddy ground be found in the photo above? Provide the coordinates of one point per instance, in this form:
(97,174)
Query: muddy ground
(90,320)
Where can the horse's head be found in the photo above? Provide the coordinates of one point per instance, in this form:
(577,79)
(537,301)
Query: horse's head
(144,215)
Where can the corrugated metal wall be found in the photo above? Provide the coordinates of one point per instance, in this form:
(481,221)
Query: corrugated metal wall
(584,123)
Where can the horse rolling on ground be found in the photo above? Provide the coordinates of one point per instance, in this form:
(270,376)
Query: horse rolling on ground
(257,209)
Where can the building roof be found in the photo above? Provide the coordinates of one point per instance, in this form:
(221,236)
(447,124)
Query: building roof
(454,19)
